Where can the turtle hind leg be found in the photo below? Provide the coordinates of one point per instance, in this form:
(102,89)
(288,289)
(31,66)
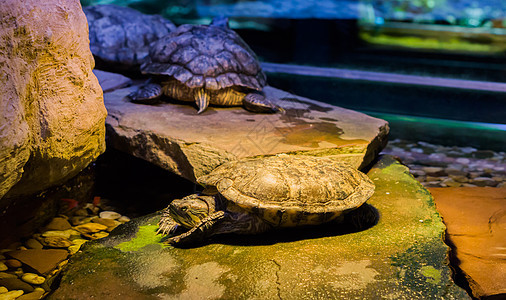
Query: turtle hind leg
(258,103)
(200,232)
(202,100)
(149,93)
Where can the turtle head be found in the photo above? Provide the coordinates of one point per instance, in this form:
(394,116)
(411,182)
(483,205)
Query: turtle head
(190,210)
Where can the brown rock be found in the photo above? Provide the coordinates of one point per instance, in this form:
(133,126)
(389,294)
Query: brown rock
(58,224)
(476,223)
(106,222)
(16,284)
(52,110)
(33,244)
(90,228)
(483,181)
(56,242)
(13,263)
(42,261)
(35,295)
(175,138)
(434,171)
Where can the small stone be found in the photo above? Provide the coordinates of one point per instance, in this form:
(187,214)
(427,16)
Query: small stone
(3,289)
(13,263)
(432,178)
(78,220)
(11,295)
(16,284)
(106,222)
(451,183)
(453,171)
(56,242)
(417,173)
(72,232)
(81,212)
(501,185)
(60,234)
(58,223)
(4,275)
(35,295)
(3,267)
(483,181)
(431,184)
(417,150)
(462,160)
(473,175)
(468,150)
(434,171)
(109,229)
(459,178)
(109,215)
(33,244)
(124,219)
(14,245)
(482,154)
(99,235)
(33,278)
(469,185)
(89,228)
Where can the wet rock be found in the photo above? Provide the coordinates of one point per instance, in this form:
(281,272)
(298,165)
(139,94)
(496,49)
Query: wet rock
(13,263)
(11,295)
(58,224)
(48,79)
(90,228)
(33,244)
(483,181)
(112,215)
(35,295)
(16,284)
(56,242)
(402,255)
(4,275)
(3,289)
(124,219)
(106,222)
(475,220)
(53,233)
(33,278)
(40,260)
(3,267)
(192,145)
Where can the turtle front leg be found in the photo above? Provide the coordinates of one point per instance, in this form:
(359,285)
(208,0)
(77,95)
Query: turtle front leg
(200,232)
(148,93)
(258,103)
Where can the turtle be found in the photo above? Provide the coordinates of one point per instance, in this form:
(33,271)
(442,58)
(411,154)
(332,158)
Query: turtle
(120,36)
(255,195)
(205,64)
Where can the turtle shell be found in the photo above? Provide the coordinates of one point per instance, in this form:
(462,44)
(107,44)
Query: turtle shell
(288,190)
(122,35)
(207,56)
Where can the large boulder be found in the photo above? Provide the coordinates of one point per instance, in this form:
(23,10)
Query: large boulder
(176,138)
(51,109)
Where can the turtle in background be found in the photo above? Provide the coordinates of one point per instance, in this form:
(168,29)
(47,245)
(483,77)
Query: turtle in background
(204,64)
(120,36)
(254,195)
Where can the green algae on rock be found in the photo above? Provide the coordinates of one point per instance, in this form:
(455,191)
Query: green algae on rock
(401,257)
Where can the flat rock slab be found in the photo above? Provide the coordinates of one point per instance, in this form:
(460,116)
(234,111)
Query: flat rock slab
(476,225)
(40,260)
(175,138)
(402,257)
(111,81)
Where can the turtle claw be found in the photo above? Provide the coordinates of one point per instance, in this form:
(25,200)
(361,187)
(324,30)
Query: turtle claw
(258,103)
(148,93)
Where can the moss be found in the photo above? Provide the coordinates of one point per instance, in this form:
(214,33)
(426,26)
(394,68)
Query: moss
(433,275)
(143,238)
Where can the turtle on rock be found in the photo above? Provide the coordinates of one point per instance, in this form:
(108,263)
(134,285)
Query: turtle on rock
(120,36)
(204,64)
(254,195)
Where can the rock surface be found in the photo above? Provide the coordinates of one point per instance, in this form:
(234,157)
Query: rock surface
(111,81)
(175,138)
(476,225)
(52,112)
(402,257)
(41,261)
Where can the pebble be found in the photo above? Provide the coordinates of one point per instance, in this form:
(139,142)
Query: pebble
(4,275)
(33,278)
(11,295)
(33,244)
(54,233)
(58,223)
(56,242)
(99,235)
(106,222)
(35,295)
(109,215)
(441,163)
(13,263)
(3,267)
(89,228)
(3,289)
(124,219)
(16,284)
